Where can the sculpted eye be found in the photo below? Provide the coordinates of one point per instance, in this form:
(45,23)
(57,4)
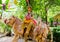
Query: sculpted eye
(39,22)
(9,19)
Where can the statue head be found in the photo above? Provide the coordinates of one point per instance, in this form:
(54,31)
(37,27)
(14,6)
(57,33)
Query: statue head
(10,21)
(29,9)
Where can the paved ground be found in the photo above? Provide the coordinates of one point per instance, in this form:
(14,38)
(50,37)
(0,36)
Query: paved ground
(6,39)
(9,39)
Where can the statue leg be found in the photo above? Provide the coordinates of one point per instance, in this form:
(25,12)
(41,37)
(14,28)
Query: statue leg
(15,39)
(39,38)
(26,40)
(28,28)
(43,39)
(27,32)
(36,39)
(22,28)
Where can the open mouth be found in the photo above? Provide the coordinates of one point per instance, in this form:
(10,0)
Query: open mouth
(5,20)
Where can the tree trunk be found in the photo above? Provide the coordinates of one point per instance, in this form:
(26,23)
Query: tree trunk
(46,14)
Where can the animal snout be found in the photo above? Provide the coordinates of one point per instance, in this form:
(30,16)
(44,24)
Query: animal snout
(6,21)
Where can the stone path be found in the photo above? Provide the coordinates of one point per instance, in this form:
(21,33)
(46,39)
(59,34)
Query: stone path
(9,39)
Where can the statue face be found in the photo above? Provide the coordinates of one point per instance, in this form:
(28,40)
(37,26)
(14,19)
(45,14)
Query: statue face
(10,21)
(29,9)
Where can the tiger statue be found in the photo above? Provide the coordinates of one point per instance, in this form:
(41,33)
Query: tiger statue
(28,24)
(17,24)
(41,31)
(38,33)
(22,28)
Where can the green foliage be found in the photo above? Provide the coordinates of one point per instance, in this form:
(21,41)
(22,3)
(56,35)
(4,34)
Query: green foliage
(4,27)
(6,2)
(23,3)
(56,34)
(20,13)
(0,1)
(8,28)
(0,4)
(42,8)
(53,11)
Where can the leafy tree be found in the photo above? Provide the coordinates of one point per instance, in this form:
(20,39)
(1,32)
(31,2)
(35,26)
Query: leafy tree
(0,1)
(39,7)
(0,4)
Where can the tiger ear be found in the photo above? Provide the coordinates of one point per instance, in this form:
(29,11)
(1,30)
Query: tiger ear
(13,16)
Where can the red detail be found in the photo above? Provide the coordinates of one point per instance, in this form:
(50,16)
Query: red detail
(28,17)
(34,22)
